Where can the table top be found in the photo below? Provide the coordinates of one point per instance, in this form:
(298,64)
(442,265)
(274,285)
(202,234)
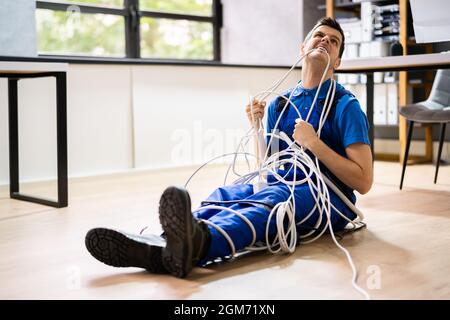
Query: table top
(21,67)
(374,64)
(396,63)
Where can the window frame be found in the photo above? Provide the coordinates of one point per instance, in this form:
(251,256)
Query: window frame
(132,17)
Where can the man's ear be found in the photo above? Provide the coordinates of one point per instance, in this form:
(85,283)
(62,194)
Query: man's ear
(302,48)
(337,63)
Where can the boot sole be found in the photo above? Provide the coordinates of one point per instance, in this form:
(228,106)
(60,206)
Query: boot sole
(175,217)
(116,249)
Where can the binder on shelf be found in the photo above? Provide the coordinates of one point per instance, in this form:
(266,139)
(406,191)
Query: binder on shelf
(366,21)
(352,78)
(392,104)
(379,104)
(359,90)
(352,30)
(351,51)
(342,78)
(391,77)
(378,77)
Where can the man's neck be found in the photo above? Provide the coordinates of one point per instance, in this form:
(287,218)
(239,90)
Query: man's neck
(311,77)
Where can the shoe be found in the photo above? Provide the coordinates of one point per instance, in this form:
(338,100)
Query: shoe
(119,249)
(188,239)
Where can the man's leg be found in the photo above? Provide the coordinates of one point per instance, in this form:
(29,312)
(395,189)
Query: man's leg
(240,233)
(225,196)
(304,202)
(120,249)
(256,210)
(190,241)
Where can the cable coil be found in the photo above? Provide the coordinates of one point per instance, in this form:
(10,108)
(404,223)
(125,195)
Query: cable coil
(286,239)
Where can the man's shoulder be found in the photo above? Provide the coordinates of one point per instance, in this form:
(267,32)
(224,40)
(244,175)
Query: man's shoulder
(345,99)
(343,95)
(280,101)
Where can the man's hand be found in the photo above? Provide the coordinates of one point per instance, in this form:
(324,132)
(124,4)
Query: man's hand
(355,170)
(304,134)
(255,113)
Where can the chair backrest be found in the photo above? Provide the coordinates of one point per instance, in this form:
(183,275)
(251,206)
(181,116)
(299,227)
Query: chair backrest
(440,92)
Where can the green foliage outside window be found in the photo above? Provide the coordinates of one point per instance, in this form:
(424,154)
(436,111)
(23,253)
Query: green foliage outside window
(108,3)
(73,32)
(195,7)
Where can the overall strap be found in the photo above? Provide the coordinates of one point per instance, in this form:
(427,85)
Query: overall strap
(280,102)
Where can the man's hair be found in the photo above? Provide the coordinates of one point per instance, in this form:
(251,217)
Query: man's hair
(332,23)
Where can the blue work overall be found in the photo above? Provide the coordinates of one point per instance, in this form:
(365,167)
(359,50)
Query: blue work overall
(256,207)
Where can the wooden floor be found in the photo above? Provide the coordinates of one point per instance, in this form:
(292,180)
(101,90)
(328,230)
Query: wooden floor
(406,244)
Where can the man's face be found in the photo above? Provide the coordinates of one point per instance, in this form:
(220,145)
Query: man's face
(327,38)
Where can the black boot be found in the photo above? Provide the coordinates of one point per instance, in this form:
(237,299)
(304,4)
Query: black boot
(119,249)
(187,238)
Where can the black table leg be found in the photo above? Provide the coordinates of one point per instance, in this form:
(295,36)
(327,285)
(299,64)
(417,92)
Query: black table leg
(13,137)
(369,112)
(61,129)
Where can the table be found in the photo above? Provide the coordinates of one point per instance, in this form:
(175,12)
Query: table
(14,71)
(393,63)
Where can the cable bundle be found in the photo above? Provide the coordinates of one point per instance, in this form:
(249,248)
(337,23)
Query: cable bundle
(294,156)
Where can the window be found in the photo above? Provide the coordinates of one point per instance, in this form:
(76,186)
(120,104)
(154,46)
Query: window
(161,29)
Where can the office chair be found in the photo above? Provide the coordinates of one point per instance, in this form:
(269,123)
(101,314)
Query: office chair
(436,110)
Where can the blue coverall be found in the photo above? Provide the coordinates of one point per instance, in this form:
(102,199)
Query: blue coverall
(346,124)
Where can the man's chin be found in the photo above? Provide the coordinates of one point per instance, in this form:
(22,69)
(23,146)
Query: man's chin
(318,56)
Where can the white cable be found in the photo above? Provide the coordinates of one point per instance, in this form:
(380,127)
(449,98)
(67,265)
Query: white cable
(286,240)
(211,160)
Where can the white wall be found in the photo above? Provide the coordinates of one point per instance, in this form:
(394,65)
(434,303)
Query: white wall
(99,119)
(122,118)
(125,117)
(261,31)
(266,31)
(18,28)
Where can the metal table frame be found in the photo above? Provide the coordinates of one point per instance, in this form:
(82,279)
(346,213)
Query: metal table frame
(13,77)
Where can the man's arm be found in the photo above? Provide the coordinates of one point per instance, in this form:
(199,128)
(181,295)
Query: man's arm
(255,118)
(356,171)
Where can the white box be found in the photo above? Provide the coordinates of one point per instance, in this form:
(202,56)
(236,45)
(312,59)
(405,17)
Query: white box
(379,49)
(378,77)
(392,104)
(342,78)
(352,31)
(374,49)
(359,91)
(352,78)
(363,78)
(390,77)
(351,51)
(364,50)
(366,21)
(362,98)
(380,104)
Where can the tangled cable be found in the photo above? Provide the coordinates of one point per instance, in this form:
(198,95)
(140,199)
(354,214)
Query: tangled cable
(295,157)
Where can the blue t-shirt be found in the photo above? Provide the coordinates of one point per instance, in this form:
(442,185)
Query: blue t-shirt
(346,123)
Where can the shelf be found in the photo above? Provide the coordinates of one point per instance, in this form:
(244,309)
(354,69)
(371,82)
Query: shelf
(412,159)
(405,89)
(357,4)
(384,126)
(418,85)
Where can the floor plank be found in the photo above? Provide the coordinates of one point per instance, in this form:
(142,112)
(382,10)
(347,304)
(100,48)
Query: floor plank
(407,241)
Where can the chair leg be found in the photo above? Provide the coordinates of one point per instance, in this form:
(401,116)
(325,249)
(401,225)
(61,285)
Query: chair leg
(441,142)
(405,157)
